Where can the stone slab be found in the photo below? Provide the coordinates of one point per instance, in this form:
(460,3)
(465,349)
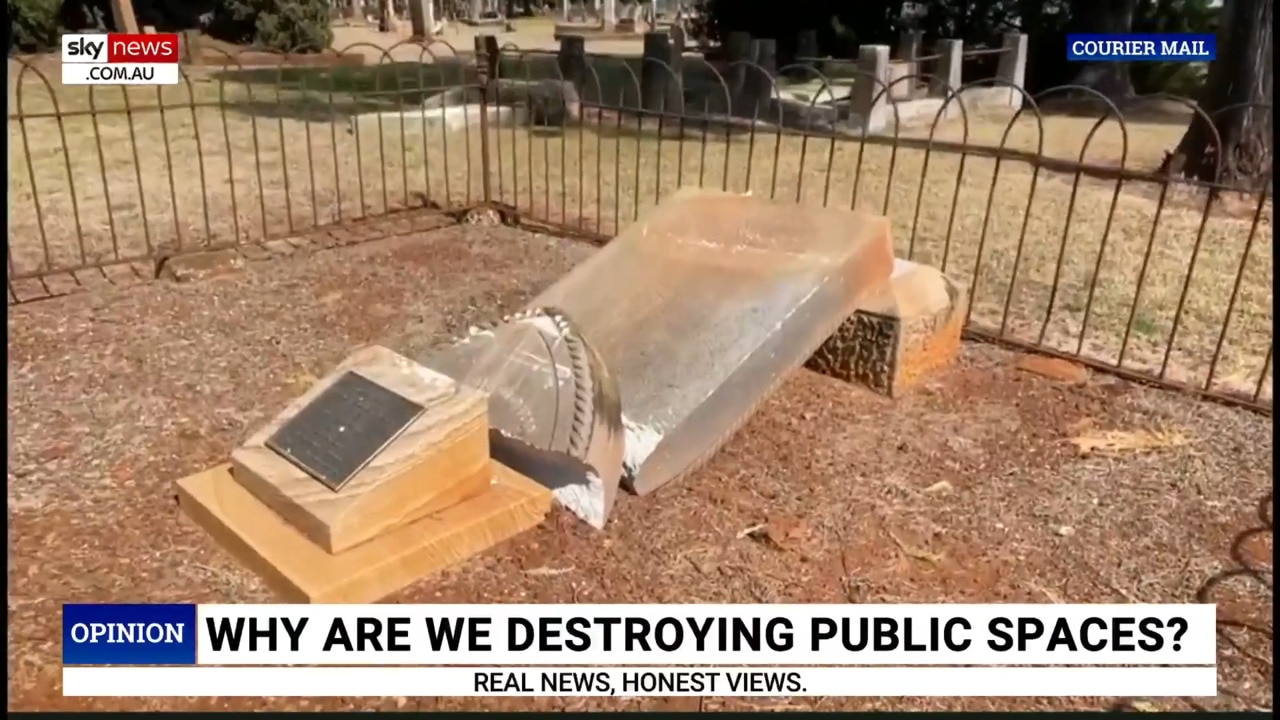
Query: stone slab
(901,334)
(705,304)
(416,121)
(441,459)
(301,571)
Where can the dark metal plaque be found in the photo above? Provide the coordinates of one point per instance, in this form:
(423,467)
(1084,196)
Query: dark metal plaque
(343,428)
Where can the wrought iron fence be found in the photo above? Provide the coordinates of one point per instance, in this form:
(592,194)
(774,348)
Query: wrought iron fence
(1048,208)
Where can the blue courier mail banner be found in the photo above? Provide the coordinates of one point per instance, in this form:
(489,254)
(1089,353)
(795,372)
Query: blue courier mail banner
(128,634)
(1142,47)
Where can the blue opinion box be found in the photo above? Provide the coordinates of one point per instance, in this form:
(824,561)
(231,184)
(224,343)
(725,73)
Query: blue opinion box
(128,634)
(1131,47)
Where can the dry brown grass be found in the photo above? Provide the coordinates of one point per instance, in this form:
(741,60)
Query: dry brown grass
(253,168)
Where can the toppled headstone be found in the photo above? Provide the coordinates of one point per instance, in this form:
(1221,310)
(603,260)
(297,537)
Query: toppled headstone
(902,332)
(702,307)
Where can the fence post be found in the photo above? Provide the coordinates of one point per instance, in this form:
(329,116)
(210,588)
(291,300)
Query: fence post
(1013,66)
(659,91)
(806,48)
(948,76)
(764,53)
(572,61)
(126,21)
(487,59)
(678,40)
(422,15)
(737,47)
(610,20)
(873,77)
(909,43)
(189,47)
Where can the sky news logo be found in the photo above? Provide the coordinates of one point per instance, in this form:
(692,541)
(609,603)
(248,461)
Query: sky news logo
(128,634)
(1131,47)
(120,59)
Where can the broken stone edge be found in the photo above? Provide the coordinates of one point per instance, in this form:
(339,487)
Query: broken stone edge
(871,348)
(596,398)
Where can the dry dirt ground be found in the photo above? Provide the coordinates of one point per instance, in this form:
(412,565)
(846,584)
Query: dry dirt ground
(968,491)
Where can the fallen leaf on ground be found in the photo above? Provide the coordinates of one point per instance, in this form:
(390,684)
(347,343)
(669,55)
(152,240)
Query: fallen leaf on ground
(913,552)
(1082,425)
(549,571)
(938,487)
(302,379)
(1115,442)
(1054,369)
(781,531)
(785,532)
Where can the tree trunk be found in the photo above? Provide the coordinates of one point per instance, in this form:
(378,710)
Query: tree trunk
(1105,16)
(1237,96)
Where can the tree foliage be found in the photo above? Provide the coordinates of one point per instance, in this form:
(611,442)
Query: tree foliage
(284,25)
(842,26)
(34,25)
(1236,89)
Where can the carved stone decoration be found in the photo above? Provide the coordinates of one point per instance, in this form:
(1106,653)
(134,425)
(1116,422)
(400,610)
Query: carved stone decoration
(903,333)
(553,405)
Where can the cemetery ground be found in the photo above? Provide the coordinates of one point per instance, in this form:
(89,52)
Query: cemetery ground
(974,489)
(1081,263)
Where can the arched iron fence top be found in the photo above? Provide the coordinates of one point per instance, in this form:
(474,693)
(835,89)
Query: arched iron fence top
(595,82)
(20,93)
(671,73)
(952,97)
(249,148)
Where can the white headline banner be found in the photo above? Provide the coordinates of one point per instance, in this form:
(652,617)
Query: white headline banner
(640,682)
(772,635)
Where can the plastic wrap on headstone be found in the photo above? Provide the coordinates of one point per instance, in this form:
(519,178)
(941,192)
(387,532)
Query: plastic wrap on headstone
(553,405)
(703,306)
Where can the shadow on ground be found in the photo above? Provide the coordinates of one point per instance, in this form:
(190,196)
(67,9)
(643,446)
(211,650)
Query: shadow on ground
(1245,635)
(323,94)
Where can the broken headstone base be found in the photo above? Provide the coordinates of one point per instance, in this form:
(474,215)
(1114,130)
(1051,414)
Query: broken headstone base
(902,333)
(303,572)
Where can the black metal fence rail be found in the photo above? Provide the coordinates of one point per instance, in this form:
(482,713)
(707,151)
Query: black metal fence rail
(1052,213)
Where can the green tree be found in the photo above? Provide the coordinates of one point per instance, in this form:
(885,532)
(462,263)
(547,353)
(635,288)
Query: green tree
(298,26)
(33,25)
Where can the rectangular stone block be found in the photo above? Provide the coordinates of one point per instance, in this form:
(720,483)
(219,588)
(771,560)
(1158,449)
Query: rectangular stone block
(301,571)
(439,460)
(903,332)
